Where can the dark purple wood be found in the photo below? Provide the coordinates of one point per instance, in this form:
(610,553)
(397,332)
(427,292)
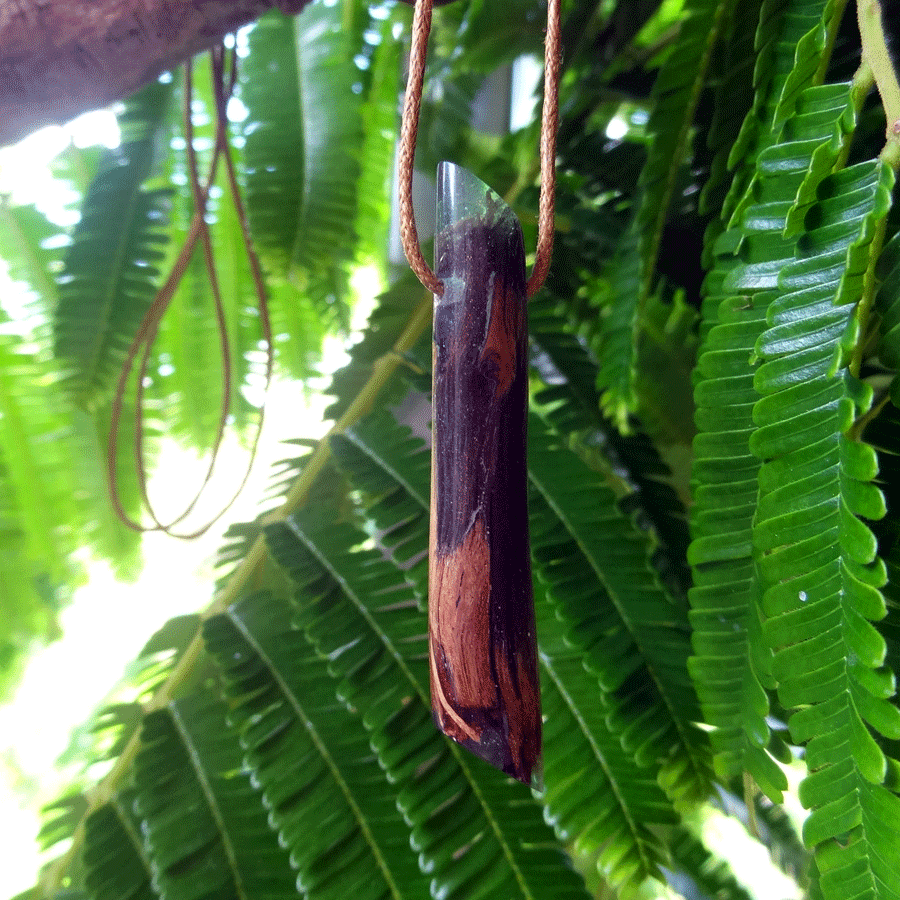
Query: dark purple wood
(483,653)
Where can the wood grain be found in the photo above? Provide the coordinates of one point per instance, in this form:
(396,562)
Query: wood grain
(483,654)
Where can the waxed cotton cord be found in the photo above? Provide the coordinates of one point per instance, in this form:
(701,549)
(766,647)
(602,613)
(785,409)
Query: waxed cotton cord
(223,84)
(549,125)
(410,124)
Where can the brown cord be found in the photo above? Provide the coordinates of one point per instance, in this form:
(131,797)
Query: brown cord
(549,124)
(200,198)
(143,342)
(410,124)
(409,127)
(144,338)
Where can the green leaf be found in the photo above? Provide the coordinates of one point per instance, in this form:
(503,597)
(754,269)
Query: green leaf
(303,136)
(676,94)
(391,468)
(616,340)
(887,303)
(749,128)
(731,69)
(111,273)
(322,785)
(595,563)
(116,867)
(362,614)
(24,237)
(569,401)
(204,825)
(595,796)
(816,555)
(731,663)
(380,124)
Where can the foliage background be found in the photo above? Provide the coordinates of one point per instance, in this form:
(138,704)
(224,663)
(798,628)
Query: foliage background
(715,347)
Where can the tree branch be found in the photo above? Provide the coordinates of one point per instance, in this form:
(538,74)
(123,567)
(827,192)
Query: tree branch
(60,58)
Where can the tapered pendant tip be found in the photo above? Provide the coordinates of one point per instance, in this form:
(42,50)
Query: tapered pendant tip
(522,763)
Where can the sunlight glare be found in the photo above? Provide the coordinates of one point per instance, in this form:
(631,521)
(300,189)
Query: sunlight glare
(617,128)
(96,128)
(749,860)
(26,174)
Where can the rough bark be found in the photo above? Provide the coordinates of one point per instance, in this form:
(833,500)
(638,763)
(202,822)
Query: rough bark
(59,58)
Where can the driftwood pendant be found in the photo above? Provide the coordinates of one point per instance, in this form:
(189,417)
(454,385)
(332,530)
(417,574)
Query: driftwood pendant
(482,642)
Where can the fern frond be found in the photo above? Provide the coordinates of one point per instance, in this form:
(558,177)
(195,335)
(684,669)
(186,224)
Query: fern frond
(550,334)
(821,587)
(615,340)
(667,344)
(783,25)
(204,825)
(298,319)
(731,662)
(732,70)
(303,138)
(676,94)
(24,235)
(113,727)
(391,468)
(61,818)
(890,630)
(887,305)
(811,52)
(53,501)
(570,403)
(395,308)
(323,787)
(635,638)
(116,866)
(633,274)
(362,613)
(38,492)
(595,796)
(100,525)
(110,275)
(489,34)
(380,123)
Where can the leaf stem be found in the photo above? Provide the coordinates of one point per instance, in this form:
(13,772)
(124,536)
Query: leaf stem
(860,86)
(875,53)
(864,307)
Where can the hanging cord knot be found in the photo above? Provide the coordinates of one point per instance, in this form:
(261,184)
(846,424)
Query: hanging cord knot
(409,127)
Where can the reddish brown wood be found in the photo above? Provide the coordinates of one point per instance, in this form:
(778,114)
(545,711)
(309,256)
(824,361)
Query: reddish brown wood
(483,654)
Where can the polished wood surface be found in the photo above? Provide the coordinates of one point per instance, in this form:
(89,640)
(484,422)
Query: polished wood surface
(483,655)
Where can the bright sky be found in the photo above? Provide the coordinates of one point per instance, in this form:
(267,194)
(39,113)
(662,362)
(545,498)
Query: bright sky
(24,167)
